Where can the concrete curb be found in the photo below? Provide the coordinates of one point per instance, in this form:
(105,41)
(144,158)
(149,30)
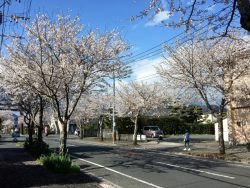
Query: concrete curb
(213,159)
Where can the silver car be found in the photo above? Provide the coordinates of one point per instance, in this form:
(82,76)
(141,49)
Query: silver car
(152,131)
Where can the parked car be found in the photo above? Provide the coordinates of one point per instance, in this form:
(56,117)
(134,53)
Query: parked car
(152,131)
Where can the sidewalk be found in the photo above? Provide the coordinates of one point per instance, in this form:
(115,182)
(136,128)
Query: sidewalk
(201,147)
(18,169)
(208,148)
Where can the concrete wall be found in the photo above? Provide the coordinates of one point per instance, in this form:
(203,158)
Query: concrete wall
(239,111)
(225,131)
(107,134)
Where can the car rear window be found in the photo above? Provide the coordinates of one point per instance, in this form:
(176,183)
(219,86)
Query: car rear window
(155,128)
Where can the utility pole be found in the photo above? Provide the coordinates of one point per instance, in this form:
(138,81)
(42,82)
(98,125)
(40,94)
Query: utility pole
(8,15)
(113,114)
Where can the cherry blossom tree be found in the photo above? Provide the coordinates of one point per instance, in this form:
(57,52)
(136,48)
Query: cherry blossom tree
(221,15)
(30,109)
(29,103)
(209,69)
(60,62)
(92,106)
(82,113)
(136,99)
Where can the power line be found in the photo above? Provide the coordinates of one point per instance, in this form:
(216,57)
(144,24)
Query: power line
(3,27)
(12,19)
(160,50)
(158,45)
(152,76)
(148,77)
(157,50)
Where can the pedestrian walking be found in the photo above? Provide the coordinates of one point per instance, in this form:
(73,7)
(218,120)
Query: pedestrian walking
(160,138)
(186,140)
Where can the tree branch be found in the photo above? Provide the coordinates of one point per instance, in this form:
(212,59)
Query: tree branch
(191,14)
(231,18)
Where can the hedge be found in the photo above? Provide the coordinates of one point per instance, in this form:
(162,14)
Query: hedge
(169,125)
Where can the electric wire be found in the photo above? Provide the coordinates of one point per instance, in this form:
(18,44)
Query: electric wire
(146,77)
(7,32)
(156,52)
(3,27)
(157,49)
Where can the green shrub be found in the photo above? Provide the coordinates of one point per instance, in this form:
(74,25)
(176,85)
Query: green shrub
(59,163)
(124,125)
(169,125)
(174,125)
(35,148)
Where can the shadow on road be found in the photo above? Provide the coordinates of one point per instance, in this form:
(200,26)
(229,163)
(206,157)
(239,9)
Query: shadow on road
(18,169)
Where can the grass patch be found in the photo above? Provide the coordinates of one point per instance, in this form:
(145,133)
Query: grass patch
(20,144)
(59,163)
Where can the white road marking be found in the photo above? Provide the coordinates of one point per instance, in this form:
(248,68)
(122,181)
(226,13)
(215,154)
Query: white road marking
(195,170)
(115,171)
(71,145)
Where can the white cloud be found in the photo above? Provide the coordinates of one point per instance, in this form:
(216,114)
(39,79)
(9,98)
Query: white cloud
(145,70)
(158,18)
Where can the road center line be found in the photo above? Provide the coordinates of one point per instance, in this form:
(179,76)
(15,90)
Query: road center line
(195,170)
(115,171)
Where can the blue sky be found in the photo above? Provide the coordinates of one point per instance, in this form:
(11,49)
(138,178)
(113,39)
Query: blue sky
(107,15)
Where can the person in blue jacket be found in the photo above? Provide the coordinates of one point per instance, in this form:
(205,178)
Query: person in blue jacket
(186,140)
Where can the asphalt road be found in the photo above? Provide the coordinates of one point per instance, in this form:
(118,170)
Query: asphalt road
(139,168)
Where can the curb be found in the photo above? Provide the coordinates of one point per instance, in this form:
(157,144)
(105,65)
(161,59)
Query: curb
(215,159)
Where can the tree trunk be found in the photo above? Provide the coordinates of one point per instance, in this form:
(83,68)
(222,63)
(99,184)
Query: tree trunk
(30,131)
(81,131)
(221,137)
(244,9)
(22,132)
(231,124)
(135,131)
(40,127)
(63,137)
(220,128)
(30,125)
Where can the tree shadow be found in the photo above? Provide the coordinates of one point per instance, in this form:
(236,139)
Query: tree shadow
(145,161)
(19,169)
